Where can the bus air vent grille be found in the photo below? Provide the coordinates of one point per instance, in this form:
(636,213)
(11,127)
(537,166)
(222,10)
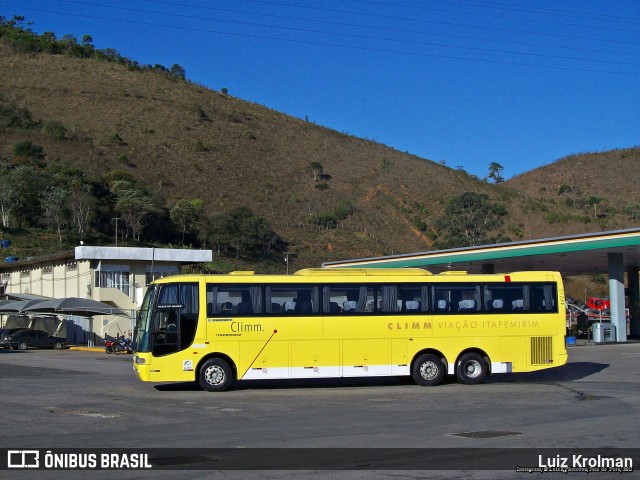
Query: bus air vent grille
(541,350)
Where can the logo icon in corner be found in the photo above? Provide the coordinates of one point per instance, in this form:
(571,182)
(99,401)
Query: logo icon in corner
(23,459)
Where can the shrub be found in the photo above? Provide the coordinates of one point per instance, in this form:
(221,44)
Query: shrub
(31,151)
(116,139)
(200,147)
(55,130)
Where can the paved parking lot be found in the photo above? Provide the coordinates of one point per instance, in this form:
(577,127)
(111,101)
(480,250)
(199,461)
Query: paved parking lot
(80,399)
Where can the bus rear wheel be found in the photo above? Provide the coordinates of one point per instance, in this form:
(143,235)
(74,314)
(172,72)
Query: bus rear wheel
(215,375)
(428,370)
(471,368)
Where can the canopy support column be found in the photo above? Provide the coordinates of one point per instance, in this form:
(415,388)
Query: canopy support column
(633,292)
(616,295)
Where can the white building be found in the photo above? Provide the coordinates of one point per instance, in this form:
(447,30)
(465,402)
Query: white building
(113,275)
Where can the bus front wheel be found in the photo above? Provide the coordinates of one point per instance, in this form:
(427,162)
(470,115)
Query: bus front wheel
(428,370)
(215,375)
(471,368)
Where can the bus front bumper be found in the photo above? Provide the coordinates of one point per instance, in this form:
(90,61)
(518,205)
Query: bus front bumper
(141,368)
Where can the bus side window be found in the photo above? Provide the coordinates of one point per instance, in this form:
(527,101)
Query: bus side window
(292,299)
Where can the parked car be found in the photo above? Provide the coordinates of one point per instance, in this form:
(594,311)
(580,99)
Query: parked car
(5,332)
(27,338)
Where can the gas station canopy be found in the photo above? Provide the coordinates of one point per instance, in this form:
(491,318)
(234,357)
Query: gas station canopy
(614,252)
(572,255)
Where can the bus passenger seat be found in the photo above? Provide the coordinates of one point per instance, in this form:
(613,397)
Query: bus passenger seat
(442,306)
(412,305)
(518,304)
(227,307)
(497,304)
(466,305)
(349,306)
(304,307)
(289,307)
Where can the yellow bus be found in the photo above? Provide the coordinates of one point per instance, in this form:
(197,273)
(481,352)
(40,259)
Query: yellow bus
(322,323)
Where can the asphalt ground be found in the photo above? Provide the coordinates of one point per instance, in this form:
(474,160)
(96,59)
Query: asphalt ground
(87,399)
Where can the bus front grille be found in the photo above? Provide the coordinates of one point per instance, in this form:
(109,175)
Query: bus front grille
(541,350)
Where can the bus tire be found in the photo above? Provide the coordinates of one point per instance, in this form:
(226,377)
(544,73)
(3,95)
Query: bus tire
(471,368)
(428,370)
(215,375)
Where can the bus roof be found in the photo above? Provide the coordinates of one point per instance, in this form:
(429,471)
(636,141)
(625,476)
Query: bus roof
(364,272)
(310,275)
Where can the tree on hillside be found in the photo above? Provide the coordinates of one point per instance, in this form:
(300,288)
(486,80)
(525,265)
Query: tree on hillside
(569,190)
(632,209)
(177,70)
(495,172)
(7,196)
(133,205)
(316,170)
(53,200)
(19,187)
(468,220)
(594,201)
(245,233)
(186,214)
(82,204)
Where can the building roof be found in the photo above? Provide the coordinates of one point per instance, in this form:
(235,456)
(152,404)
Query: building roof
(171,255)
(176,255)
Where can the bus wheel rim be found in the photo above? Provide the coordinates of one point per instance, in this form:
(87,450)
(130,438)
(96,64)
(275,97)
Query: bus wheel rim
(428,370)
(472,368)
(214,375)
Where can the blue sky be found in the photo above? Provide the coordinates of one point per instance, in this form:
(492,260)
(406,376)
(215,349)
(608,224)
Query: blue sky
(465,82)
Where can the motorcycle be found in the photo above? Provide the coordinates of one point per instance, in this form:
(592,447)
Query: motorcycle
(108,346)
(122,346)
(118,346)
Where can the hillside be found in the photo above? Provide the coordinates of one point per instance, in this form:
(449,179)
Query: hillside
(612,175)
(590,191)
(184,141)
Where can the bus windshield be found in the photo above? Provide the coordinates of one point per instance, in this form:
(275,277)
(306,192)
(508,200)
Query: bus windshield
(143,321)
(168,318)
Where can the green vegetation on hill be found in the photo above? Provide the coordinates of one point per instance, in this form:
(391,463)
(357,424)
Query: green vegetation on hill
(91,142)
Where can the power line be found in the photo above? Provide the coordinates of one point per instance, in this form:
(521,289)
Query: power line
(328,44)
(391,29)
(391,17)
(513,7)
(363,37)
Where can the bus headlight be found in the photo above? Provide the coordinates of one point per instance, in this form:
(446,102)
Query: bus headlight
(138,360)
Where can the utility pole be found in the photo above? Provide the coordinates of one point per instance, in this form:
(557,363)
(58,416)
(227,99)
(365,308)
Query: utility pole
(286,261)
(116,219)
